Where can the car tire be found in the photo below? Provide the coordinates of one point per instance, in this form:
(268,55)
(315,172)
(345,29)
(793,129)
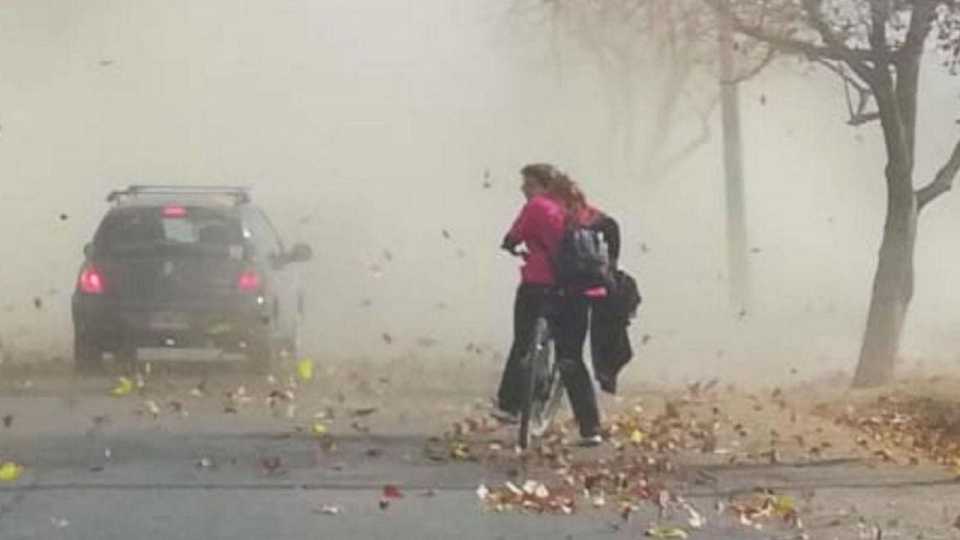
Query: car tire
(292,346)
(262,355)
(127,359)
(87,355)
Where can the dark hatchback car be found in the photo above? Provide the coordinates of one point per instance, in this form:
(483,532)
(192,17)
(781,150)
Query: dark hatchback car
(186,267)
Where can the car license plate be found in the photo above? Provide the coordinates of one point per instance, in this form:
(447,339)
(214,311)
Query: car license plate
(169,321)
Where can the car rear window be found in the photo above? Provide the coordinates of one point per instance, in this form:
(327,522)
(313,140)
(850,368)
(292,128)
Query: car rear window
(146,227)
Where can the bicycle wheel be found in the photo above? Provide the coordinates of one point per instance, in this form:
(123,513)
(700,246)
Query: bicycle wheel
(542,387)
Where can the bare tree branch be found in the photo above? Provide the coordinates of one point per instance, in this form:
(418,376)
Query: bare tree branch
(768,58)
(863,118)
(942,182)
(858,115)
(834,49)
(666,165)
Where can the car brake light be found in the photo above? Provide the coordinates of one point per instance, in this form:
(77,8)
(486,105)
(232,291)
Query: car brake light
(174,211)
(249,281)
(91,281)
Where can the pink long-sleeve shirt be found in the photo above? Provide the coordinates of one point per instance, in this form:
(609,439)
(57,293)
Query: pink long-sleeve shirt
(540,226)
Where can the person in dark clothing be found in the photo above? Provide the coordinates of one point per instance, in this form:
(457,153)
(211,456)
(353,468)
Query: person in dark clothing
(610,347)
(540,227)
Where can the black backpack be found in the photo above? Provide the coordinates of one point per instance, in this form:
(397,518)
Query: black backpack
(583,258)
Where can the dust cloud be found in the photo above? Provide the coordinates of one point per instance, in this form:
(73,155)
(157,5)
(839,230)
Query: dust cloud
(388,135)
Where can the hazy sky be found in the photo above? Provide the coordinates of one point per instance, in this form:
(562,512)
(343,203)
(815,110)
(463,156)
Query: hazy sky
(367,126)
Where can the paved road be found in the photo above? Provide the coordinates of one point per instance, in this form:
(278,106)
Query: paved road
(151,484)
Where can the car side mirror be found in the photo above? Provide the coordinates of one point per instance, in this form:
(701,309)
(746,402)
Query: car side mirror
(299,253)
(88,250)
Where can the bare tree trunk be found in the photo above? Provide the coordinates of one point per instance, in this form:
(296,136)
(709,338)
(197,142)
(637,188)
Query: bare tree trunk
(892,287)
(737,264)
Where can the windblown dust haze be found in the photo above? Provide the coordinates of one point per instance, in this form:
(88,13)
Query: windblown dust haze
(388,135)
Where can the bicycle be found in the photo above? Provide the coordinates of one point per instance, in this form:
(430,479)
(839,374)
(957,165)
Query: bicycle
(543,388)
(542,383)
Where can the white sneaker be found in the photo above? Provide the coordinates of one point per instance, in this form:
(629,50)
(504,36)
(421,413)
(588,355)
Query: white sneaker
(591,441)
(505,417)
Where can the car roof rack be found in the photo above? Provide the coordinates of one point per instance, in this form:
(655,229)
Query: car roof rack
(240,194)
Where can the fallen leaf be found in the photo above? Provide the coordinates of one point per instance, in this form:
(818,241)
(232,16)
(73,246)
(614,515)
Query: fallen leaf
(667,533)
(391,491)
(305,369)
(329,509)
(357,413)
(271,464)
(124,387)
(8,420)
(152,407)
(696,519)
(199,390)
(177,408)
(319,429)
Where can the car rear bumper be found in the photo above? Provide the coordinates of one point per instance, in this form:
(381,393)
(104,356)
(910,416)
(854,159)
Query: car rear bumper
(230,324)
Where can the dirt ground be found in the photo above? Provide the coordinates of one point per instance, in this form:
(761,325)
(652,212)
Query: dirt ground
(812,460)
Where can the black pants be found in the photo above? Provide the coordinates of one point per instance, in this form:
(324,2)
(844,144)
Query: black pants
(570,315)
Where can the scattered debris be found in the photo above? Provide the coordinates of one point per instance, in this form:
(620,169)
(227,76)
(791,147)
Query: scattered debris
(329,510)
(666,533)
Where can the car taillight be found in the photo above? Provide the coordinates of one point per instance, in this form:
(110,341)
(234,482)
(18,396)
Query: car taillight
(174,211)
(249,281)
(91,280)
